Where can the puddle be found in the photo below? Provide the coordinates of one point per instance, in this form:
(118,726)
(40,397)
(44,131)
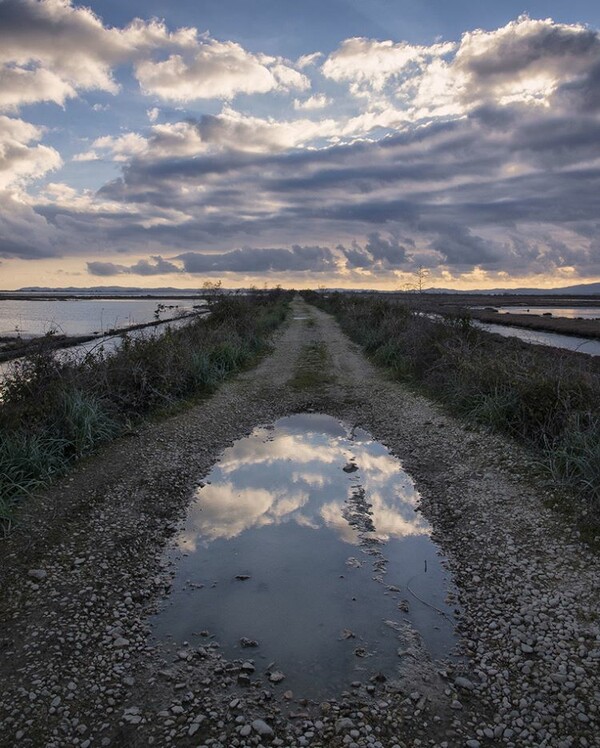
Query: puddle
(304,538)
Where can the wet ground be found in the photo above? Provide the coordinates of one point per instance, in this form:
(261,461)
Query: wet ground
(306,542)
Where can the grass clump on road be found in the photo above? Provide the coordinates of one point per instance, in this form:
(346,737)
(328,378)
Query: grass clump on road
(313,368)
(545,398)
(55,410)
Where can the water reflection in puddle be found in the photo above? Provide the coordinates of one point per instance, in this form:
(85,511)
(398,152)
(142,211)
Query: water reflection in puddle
(304,538)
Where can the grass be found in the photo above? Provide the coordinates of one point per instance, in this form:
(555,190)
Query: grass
(313,368)
(546,399)
(55,410)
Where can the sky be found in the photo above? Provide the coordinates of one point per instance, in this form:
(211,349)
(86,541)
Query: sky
(338,143)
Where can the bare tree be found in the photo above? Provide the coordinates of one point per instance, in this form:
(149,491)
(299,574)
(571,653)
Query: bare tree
(421,274)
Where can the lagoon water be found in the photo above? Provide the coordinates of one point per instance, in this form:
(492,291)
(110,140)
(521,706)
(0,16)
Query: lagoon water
(31,318)
(565,312)
(539,337)
(304,537)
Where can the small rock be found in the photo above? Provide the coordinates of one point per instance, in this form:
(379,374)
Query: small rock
(262,728)
(37,574)
(344,725)
(464,683)
(276,677)
(248,642)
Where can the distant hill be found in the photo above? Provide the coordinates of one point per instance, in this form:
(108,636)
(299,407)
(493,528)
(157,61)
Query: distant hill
(582,289)
(113,290)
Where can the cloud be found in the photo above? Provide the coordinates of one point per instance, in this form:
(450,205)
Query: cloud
(377,251)
(368,64)
(23,232)
(21,158)
(216,70)
(308,60)
(526,61)
(317,101)
(250,260)
(477,155)
(155,266)
(246,260)
(119,147)
(50,49)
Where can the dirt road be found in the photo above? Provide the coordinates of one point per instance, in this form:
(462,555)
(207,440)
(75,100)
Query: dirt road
(87,566)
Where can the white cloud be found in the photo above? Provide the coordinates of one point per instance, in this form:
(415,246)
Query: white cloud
(289,79)
(216,70)
(368,65)
(50,49)
(526,60)
(176,140)
(122,147)
(153,113)
(307,60)
(19,159)
(19,86)
(237,131)
(318,101)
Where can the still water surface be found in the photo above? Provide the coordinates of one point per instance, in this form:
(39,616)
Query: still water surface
(321,519)
(582,312)
(538,337)
(83,316)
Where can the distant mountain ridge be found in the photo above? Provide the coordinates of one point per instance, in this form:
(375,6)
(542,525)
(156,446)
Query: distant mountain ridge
(584,289)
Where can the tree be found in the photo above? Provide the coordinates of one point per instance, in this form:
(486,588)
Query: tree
(421,274)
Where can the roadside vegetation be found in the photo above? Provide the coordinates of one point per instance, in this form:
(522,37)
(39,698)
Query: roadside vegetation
(313,368)
(547,399)
(55,410)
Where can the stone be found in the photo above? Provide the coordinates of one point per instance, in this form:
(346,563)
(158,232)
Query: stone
(465,683)
(344,724)
(38,574)
(248,642)
(262,728)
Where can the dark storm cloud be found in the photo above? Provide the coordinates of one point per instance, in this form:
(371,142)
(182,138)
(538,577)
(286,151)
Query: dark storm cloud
(245,260)
(155,266)
(251,260)
(443,187)
(459,247)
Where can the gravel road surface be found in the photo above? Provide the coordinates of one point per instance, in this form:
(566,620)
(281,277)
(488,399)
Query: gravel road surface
(87,566)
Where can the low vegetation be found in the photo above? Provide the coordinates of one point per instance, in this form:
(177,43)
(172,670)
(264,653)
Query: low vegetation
(55,410)
(313,368)
(545,398)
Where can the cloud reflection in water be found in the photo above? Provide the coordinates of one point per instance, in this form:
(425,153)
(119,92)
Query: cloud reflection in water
(291,474)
